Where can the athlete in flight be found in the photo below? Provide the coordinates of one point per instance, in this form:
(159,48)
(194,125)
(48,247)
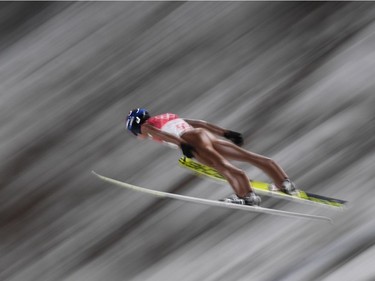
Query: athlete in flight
(204,141)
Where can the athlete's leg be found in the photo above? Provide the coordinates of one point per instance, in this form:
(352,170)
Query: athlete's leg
(234,152)
(206,154)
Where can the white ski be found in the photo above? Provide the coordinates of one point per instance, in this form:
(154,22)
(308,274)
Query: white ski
(214,203)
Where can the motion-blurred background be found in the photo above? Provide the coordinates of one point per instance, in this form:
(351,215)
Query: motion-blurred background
(296,78)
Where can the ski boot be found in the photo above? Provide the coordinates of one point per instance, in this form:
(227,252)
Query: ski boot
(252,199)
(289,187)
(234,199)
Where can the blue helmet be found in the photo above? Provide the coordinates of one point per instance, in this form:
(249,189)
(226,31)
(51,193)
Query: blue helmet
(135,119)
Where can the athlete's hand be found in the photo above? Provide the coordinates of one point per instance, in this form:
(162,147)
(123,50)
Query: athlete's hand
(187,150)
(235,137)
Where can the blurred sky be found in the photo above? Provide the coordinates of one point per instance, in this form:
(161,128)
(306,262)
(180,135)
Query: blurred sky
(296,78)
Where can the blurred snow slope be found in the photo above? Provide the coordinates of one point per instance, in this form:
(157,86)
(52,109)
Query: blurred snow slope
(296,78)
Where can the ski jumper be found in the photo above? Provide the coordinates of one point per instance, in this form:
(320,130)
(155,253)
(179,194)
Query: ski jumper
(170,123)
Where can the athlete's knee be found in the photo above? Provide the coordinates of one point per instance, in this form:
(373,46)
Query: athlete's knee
(270,162)
(221,165)
(239,172)
(232,170)
(266,161)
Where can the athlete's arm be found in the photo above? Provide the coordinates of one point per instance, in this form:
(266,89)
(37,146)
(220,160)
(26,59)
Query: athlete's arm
(208,126)
(231,135)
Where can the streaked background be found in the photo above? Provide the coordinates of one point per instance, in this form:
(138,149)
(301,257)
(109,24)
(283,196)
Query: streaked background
(297,79)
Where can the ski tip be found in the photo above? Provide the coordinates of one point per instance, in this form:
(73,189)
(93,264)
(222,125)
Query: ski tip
(326,219)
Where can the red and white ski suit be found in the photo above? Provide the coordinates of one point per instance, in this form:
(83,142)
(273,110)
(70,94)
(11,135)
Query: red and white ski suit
(170,123)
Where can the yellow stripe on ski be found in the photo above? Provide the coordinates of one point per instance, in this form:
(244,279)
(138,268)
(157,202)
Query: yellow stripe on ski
(260,187)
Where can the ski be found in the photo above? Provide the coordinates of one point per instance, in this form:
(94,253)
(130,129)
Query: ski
(213,203)
(264,188)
